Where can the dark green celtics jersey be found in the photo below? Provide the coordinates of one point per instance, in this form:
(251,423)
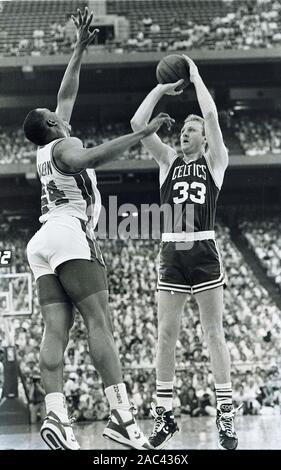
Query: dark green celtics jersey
(190,193)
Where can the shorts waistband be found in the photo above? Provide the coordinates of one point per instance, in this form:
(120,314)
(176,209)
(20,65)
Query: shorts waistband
(188,236)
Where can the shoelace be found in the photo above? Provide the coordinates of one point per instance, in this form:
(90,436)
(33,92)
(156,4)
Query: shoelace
(157,425)
(72,420)
(227,418)
(158,420)
(133,409)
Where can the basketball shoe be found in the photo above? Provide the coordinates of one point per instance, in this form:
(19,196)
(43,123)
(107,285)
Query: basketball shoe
(58,435)
(165,426)
(225,423)
(127,431)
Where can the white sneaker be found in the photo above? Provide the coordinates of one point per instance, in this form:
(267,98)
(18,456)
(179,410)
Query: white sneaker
(125,432)
(58,435)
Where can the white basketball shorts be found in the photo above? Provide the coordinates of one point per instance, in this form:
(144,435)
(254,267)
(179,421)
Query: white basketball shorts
(61,238)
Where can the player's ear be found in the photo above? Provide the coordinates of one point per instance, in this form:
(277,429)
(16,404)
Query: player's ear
(51,123)
(204,142)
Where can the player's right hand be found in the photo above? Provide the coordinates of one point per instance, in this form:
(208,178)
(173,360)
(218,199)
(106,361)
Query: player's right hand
(193,70)
(171,88)
(158,121)
(82,23)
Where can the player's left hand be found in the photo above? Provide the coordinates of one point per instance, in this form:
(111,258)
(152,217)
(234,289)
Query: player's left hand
(171,88)
(82,23)
(193,70)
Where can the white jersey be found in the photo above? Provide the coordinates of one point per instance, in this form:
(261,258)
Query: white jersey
(74,194)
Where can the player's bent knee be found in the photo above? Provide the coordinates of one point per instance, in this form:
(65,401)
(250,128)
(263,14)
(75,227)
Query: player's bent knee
(214,333)
(167,338)
(51,362)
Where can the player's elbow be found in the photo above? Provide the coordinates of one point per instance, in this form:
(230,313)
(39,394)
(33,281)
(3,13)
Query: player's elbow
(224,156)
(135,124)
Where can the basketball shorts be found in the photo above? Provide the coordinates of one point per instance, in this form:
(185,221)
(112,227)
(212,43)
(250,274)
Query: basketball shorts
(62,238)
(190,270)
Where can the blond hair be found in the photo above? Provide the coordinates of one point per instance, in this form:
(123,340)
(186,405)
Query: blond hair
(194,117)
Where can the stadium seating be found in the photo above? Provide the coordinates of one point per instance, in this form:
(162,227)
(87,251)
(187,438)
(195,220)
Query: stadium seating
(252,324)
(154,25)
(264,238)
(247,134)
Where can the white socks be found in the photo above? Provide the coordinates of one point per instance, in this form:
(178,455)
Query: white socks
(118,397)
(223,394)
(56,402)
(164,392)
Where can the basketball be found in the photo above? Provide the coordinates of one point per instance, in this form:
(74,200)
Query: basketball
(172,68)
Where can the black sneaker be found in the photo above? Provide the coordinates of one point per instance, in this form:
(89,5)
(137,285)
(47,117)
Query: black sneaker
(165,426)
(225,423)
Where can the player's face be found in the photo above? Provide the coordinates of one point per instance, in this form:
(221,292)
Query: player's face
(191,137)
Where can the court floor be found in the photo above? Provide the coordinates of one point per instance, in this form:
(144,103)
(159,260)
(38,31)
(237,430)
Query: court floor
(255,432)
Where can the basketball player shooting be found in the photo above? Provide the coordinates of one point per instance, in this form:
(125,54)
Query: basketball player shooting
(194,178)
(65,258)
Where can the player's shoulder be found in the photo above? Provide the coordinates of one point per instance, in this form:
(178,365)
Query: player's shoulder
(67,143)
(72,141)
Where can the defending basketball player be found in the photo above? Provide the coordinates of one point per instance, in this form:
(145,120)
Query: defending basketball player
(195,178)
(66,260)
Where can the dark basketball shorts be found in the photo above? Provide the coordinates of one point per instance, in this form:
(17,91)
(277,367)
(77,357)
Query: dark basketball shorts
(191,269)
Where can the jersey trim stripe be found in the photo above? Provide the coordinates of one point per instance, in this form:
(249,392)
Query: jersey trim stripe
(92,243)
(219,255)
(176,285)
(170,166)
(88,187)
(84,184)
(212,286)
(172,288)
(89,240)
(211,172)
(208,283)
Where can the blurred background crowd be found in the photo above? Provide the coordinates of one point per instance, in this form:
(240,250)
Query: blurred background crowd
(252,324)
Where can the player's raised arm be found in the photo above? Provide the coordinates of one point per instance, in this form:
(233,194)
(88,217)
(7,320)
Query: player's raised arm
(160,151)
(71,155)
(218,154)
(70,82)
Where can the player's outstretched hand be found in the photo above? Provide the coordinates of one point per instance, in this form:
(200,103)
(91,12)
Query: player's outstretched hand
(158,121)
(193,70)
(171,88)
(82,23)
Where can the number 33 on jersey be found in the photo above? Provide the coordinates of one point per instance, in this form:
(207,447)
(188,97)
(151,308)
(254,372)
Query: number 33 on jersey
(191,183)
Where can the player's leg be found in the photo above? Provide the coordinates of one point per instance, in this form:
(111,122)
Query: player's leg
(85,283)
(57,312)
(210,304)
(58,320)
(170,307)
